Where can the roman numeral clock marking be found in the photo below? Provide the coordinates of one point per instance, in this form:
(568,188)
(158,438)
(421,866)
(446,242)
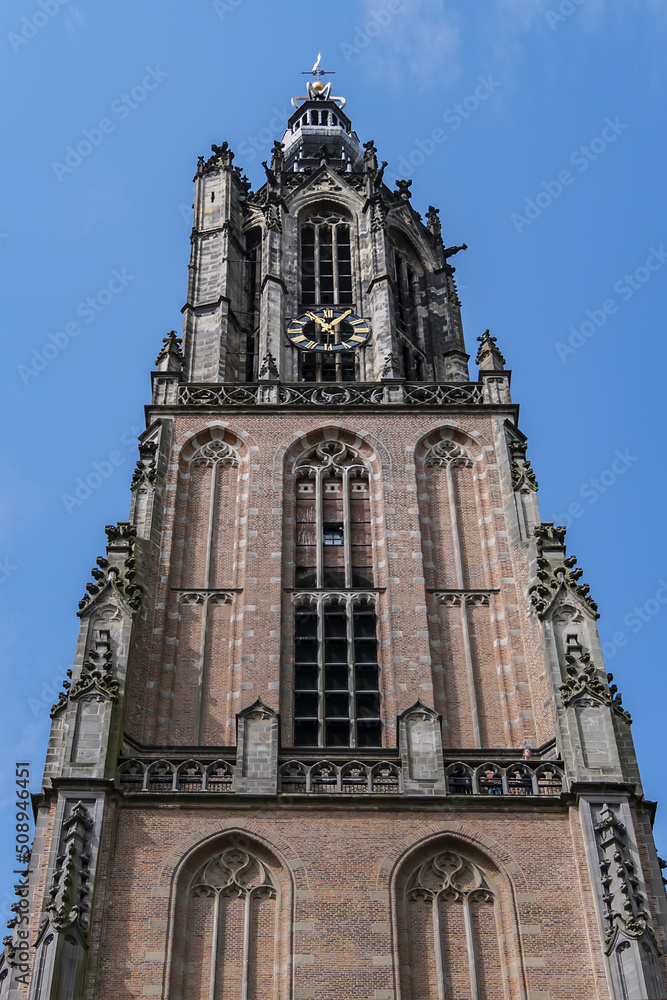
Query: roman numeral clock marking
(328,330)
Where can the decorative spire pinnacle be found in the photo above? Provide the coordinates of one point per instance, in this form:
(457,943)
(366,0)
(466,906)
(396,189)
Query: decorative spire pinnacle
(489,357)
(170,358)
(433,223)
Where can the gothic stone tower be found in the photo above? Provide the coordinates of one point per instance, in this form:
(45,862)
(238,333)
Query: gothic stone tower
(338,725)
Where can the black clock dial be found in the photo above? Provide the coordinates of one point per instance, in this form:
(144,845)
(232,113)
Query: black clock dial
(328,330)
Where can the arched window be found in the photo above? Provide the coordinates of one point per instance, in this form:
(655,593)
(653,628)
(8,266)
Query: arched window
(406,287)
(229,933)
(326,262)
(249,344)
(333,520)
(337,700)
(448,932)
(205,575)
(405,296)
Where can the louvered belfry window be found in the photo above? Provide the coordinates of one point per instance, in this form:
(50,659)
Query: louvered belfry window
(326,261)
(336,692)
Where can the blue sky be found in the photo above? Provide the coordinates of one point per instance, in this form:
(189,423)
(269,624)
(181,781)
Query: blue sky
(536,126)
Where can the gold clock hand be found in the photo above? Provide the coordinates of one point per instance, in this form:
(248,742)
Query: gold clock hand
(339,319)
(318,319)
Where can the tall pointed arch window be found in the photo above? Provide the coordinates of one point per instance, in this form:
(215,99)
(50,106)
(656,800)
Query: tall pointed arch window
(248,366)
(231,932)
(336,674)
(326,261)
(407,325)
(333,520)
(450,940)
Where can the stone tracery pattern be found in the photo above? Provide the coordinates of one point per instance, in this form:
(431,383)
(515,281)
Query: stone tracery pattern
(448,909)
(448,452)
(214,453)
(235,872)
(239,925)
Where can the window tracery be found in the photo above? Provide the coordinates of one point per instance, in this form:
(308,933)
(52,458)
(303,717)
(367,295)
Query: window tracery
(333,519)
(326,260)
(406,294)
(336,682)
(449,910)
(326,279)
(233,901)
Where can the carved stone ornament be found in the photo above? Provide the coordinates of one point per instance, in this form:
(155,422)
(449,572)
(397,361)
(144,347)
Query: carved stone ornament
(170,357)
(258,710)
(326,184)
(370,156)
(269,369)
(96,677)
(626,913)
(235,872)
(403,190)
(391,367)
(457,392)
(433,223)
(378,214)
(449,877)
(556,572)
(222,158)
(145,471)
(450,453)
(68,894)
(272,211)
(117,571)
(489,357)
(583,680)
(216,453)
(523,477)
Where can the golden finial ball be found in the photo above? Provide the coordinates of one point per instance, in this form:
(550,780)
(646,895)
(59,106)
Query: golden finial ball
(319,86)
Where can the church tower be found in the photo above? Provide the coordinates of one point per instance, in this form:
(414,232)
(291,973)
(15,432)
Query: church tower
(338,725)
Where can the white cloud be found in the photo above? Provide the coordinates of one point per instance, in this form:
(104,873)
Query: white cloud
(418,43)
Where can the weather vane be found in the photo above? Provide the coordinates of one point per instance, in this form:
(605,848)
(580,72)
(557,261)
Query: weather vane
(318,91)
(316,71)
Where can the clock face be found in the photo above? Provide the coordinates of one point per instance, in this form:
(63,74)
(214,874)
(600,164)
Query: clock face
(328,330)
